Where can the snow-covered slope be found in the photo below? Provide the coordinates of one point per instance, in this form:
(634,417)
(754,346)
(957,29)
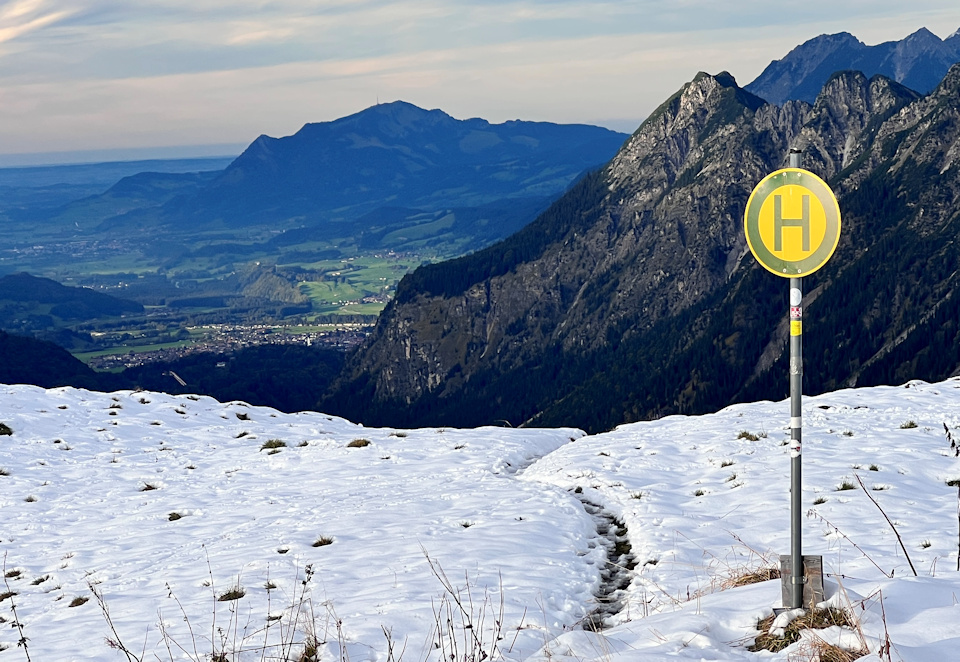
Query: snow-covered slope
(163,503)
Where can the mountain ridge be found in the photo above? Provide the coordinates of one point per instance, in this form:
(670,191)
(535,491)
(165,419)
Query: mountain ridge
(918,61)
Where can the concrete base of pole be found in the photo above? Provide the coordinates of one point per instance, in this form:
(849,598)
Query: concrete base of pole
(812,579)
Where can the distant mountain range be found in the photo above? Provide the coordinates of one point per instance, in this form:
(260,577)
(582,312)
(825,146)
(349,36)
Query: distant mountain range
(399,155)
(350,176)
(919,61)
(634,295)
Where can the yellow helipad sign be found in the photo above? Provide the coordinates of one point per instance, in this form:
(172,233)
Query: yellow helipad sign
(792,222)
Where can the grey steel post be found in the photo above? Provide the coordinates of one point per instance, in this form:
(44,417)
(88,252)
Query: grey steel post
(796,393)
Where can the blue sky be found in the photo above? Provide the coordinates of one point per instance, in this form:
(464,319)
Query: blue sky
(105,74)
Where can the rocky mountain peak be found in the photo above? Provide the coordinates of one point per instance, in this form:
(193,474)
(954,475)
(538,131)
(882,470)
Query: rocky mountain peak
(673,133)
(654,231)
(922,38)
(791,76)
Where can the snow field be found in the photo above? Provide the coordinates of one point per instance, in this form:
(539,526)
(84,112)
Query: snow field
(704,500)
(249,516)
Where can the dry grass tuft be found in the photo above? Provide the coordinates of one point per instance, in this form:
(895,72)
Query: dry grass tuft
(748,577)
(816,619)
(234,593)
(273,444)
(358,443)
(817,650)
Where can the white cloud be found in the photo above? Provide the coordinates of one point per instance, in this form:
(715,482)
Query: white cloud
(571,80)
(21,17)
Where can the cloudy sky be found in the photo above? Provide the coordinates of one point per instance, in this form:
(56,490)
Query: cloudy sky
(124,74)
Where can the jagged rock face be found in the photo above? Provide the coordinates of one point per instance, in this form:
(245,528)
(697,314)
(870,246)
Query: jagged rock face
(656,236)
(833,135)
(941,110)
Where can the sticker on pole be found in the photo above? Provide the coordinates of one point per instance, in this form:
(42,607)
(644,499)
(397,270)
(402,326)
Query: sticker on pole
(792,222)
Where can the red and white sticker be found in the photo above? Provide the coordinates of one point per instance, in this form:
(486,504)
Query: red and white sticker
(796,312)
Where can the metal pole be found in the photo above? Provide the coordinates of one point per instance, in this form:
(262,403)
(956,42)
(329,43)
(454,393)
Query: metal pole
(797,578)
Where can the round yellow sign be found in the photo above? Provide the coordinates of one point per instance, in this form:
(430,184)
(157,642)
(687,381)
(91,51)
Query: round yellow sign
(792,222)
